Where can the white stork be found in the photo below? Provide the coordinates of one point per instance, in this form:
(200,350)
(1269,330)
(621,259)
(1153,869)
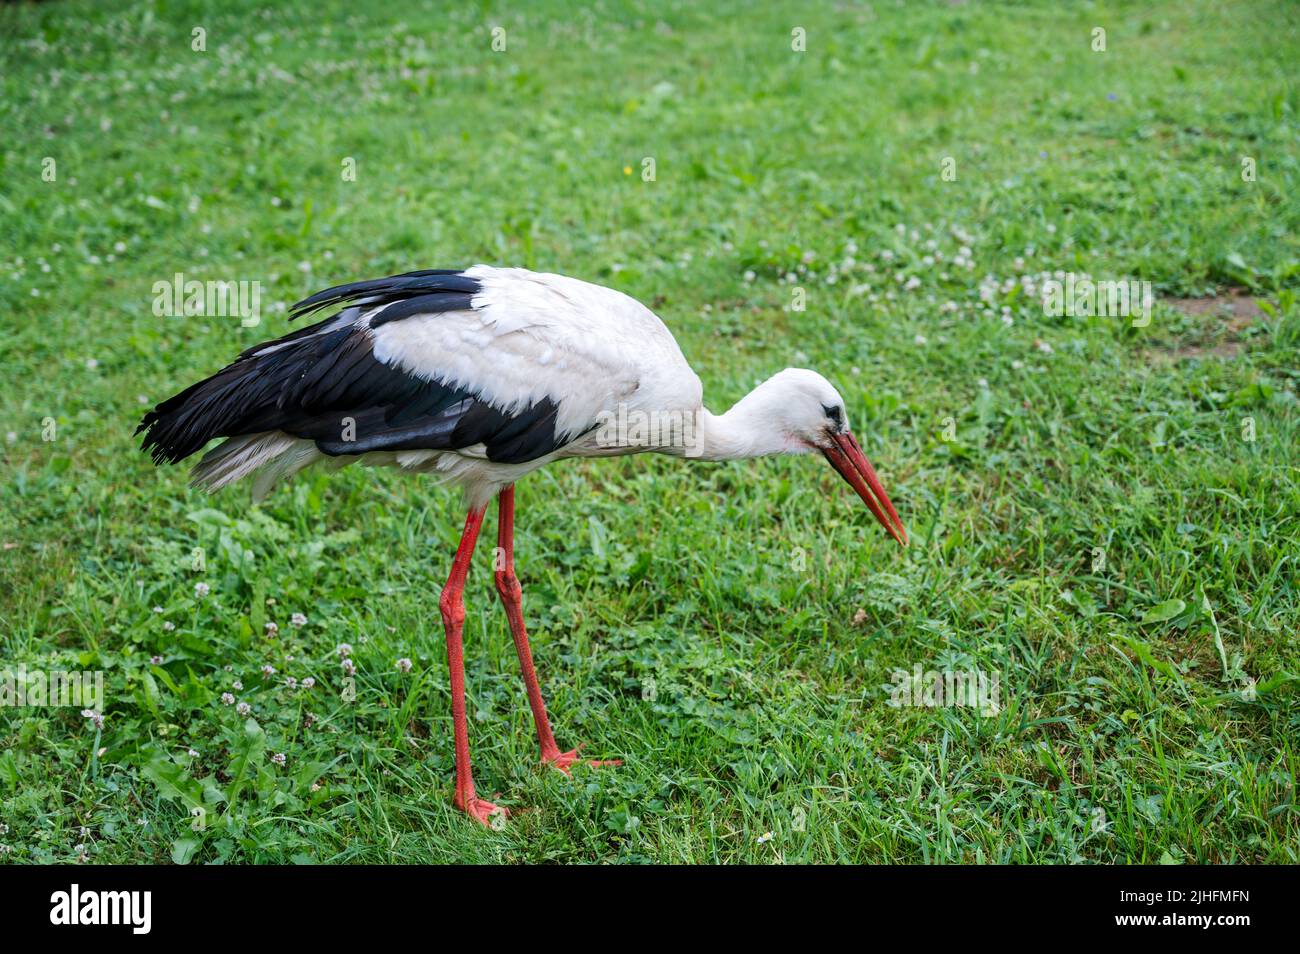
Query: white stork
(479,377)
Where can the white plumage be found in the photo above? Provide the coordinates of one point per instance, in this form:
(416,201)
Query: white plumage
(529,336)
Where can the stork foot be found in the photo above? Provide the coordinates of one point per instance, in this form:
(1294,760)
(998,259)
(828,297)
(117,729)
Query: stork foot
(565,760)
(484,812)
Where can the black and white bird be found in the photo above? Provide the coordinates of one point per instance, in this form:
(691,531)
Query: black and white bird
(478,377)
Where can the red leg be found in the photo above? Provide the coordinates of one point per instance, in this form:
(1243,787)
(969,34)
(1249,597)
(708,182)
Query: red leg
(453,619)
(512,598)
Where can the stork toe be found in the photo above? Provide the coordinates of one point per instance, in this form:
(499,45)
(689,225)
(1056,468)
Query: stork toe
(484,812)
(565,760)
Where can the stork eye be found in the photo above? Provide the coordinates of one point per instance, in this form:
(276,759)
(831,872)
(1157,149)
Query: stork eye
(833,414)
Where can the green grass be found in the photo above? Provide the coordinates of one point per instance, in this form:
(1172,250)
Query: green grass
(729,630)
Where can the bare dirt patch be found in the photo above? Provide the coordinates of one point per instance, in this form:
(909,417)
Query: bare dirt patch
(1237,305)
(1236,309)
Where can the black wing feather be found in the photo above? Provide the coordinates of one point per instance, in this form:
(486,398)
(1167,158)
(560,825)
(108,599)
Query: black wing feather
(455,287)
(323,383)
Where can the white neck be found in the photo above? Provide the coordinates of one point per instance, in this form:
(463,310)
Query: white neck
(744,431)
(786,414)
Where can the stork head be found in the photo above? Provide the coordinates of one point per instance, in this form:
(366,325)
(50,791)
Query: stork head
(810,415)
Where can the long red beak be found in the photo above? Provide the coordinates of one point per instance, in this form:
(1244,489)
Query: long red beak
(846,457)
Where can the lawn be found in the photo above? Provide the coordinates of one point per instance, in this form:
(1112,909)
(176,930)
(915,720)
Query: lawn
(1105,517)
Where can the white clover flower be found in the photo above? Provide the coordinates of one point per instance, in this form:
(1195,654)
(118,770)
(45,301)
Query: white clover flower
(243,708)
(344,650)
(349,667)
(403,665)
(272,629)
(291,682)
(238,685)
(201,590)
(155,660)
(96,718)
(308,683)
(279,758)
(268,670)
(919,340)
(168,625)
(227,699)
(298,619)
